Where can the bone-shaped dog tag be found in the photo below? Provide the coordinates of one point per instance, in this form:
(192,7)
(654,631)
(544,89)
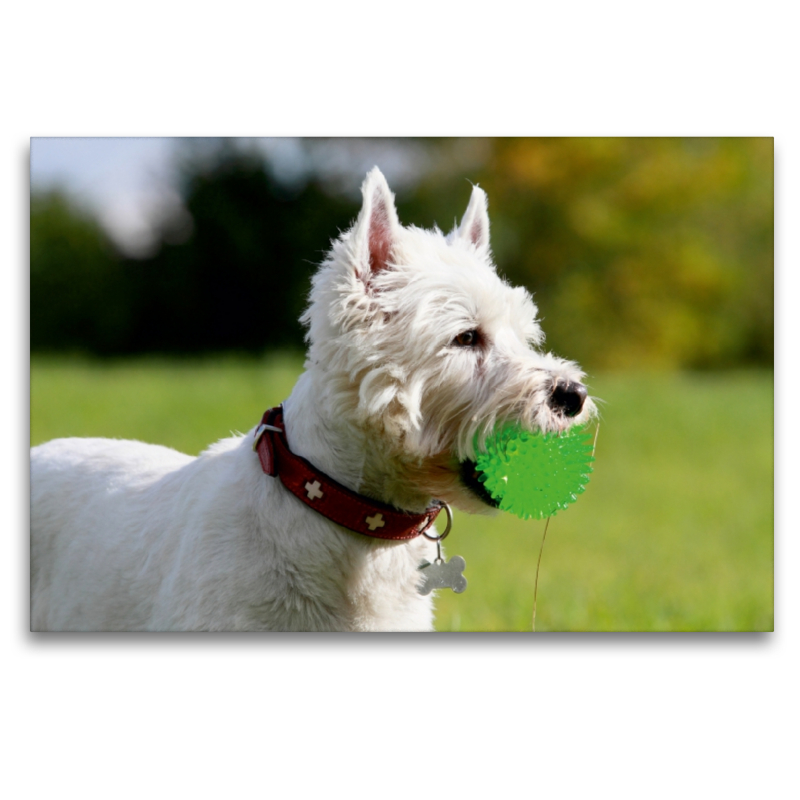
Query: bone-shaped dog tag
(443,574)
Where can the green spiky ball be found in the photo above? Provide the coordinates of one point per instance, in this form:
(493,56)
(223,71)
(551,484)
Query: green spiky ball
(534,475)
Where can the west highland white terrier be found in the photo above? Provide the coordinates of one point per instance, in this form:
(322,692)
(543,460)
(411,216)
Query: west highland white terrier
(320,518)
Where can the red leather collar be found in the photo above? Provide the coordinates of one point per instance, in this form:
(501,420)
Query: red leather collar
(329,498)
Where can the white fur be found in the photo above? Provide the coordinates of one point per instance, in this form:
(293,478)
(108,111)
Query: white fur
(129,536)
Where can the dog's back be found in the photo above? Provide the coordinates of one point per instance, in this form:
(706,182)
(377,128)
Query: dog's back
(132,536)
(80,487)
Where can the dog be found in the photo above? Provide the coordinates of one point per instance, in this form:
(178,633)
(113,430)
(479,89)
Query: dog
(321,517)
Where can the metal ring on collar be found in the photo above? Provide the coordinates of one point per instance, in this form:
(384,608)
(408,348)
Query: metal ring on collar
(261,429)
(447,527)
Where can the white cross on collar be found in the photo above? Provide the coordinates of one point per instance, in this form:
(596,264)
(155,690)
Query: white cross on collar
(314,490)
(373,523)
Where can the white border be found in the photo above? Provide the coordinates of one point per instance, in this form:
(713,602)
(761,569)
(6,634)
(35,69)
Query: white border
(632,716)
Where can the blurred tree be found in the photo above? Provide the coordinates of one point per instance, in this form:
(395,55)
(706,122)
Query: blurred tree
(241,279)
(640,252)
(78,297)
(238,281)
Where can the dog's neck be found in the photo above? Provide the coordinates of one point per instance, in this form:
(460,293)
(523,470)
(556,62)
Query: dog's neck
(345,452)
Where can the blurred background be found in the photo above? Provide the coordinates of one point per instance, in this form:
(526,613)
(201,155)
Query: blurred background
(167,276)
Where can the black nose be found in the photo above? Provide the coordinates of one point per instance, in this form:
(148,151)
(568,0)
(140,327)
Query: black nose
(568,397)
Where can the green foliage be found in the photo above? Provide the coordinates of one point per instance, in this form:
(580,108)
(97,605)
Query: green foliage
(78,294)
(674,531)
(641,252)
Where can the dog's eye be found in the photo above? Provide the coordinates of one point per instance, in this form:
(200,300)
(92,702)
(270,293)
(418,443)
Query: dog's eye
(466,339)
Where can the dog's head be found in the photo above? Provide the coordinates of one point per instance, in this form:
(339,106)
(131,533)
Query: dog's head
(420,343)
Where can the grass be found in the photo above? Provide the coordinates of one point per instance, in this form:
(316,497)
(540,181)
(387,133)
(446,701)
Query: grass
(674,532)
(185,404)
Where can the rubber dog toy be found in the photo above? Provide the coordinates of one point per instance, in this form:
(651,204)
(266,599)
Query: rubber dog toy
(534,475)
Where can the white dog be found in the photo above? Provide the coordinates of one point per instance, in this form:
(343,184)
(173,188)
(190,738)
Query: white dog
(415,347)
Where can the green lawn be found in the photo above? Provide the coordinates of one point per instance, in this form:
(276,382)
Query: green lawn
(674,532)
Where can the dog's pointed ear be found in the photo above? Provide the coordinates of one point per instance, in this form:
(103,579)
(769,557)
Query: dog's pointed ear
(376,228)
(474,226)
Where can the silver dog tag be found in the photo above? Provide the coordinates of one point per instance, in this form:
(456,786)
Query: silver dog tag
(443,574)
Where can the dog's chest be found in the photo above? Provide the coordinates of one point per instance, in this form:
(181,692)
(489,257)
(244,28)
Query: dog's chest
(383,588)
